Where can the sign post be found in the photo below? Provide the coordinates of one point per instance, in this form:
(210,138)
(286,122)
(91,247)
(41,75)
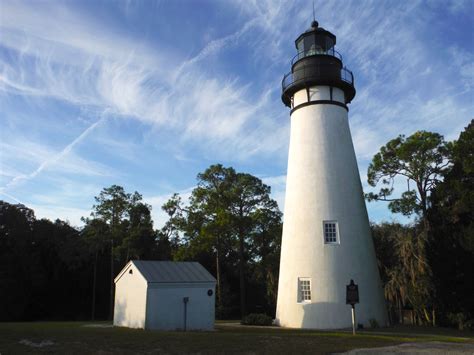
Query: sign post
(352,297)
(353,320)
(185,301)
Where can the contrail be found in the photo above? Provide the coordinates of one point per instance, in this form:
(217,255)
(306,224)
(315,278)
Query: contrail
(48,162)
(11,197)
(215,45)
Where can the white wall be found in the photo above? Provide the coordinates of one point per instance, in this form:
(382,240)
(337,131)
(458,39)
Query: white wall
(318,93)
(130,299)
(338,95)
(323,183)
(300,97)
(165,308)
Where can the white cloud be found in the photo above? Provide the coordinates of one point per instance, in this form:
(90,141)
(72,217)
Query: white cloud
(74,59)
(113,75)
(52,160)
(78,59)
(54,211)
(457,6)
(68,36)
(463,63)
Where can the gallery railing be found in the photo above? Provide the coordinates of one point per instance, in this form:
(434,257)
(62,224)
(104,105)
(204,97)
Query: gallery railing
(323,73)
(311,52)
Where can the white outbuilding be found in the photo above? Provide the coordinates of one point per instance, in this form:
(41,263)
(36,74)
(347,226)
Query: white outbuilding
(164,295)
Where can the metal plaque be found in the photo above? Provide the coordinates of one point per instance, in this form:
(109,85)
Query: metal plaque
(352,293)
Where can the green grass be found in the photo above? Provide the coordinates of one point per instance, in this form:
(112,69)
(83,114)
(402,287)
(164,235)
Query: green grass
(73,337)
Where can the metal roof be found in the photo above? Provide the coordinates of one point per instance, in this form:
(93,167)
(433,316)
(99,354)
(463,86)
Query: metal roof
(173,271)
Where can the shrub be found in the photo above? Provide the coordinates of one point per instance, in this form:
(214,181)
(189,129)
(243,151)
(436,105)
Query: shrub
(257,319)
(222,312)
(460,320)
(373,323)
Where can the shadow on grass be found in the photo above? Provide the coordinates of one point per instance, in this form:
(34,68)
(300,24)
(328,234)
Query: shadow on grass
(74,337)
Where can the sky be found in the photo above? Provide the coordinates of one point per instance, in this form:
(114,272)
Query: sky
(147,94)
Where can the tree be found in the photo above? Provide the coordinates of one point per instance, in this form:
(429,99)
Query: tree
(265,250)
(404,269)
(130,228)
(16,260)
(139,241)
(227,213)
(95,234)
(208,218)
(453,199)
(413,272)
(384,236)
(111,206)
(168,237)
(421,159)
(42,267)
(452,217)
(250,198)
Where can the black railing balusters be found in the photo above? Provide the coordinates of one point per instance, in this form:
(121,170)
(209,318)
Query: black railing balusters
(307,53)
(313,72)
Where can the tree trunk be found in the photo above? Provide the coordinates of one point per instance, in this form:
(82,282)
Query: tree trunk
(390,314)
(94,282)
(424,206)
(112,288)
(243,308)
(427,316)
(400,311)
(218,277)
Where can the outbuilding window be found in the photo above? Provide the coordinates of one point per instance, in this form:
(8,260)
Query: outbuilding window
(331,235)
(304,290)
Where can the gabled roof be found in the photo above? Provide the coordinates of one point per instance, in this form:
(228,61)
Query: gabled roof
(170,271)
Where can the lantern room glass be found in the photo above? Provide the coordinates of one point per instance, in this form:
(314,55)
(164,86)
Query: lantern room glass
(316,42)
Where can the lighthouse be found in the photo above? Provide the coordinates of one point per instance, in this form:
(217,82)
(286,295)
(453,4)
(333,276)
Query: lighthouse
(326,238)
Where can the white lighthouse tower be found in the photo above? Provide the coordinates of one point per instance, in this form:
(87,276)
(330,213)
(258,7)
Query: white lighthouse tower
(326,236)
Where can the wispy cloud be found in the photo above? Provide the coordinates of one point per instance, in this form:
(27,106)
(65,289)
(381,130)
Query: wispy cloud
(213,108)
(215,46)
(66,34)
(11,197)
(52,160)
(61,54)
(463,63)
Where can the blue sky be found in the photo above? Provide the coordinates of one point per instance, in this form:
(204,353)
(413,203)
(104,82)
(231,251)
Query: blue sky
(146,94)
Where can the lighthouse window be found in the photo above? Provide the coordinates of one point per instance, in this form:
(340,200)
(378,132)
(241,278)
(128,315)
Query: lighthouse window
(309,45)
(330,232)
(304,290)
(300,46)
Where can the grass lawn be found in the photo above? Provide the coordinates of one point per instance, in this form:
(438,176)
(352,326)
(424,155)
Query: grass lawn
(75,337)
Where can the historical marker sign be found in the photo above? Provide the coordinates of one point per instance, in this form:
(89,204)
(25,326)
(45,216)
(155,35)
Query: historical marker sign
(352,293)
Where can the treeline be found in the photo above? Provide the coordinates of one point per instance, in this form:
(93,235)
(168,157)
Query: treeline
(230,224)
(43,268)
(428,267)
(50,270)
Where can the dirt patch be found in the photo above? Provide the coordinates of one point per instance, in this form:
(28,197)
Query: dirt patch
(32,344)
(98,325)
(418,348)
